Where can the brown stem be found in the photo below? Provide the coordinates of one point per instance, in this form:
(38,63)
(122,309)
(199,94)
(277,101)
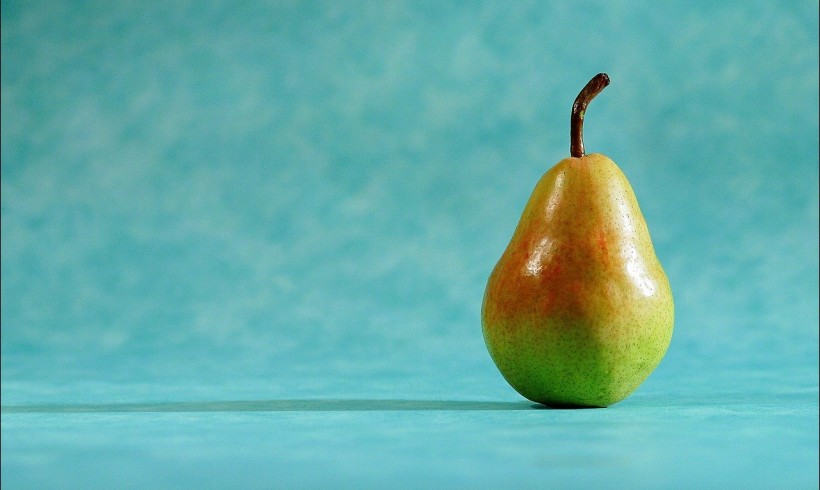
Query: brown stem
(579,108)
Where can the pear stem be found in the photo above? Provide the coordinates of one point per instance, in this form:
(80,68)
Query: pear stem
(579,108)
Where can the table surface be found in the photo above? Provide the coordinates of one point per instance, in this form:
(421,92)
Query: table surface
(655,441)
(407,428)
(244,245)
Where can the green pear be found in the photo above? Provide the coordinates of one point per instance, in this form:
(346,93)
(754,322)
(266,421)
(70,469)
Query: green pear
(578,311)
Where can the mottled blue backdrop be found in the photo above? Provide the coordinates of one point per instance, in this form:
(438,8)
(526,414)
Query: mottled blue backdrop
(302,200)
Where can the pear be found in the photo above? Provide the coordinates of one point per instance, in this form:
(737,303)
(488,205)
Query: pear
(578,311)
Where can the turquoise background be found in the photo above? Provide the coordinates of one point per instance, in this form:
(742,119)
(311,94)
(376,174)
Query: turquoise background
(245,243)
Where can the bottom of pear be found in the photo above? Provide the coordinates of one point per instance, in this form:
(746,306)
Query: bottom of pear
(566,406)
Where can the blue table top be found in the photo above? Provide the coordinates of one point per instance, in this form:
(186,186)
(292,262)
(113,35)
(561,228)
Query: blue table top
(646,442)
(245,245)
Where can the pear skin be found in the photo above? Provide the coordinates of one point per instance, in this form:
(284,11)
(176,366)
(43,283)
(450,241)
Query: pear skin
(578,311)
